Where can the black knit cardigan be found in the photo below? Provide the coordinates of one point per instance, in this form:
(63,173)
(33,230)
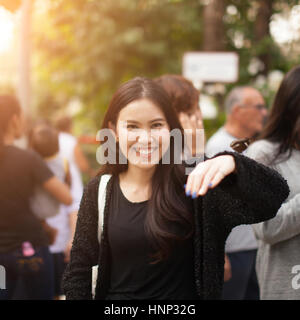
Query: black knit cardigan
(252,194)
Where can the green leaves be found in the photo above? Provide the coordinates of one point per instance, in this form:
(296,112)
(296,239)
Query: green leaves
(87,48)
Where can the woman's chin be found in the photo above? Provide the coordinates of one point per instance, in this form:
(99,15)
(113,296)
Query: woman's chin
(143,163)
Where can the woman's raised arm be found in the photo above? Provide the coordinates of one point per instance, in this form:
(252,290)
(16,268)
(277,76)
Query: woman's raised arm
(246,192)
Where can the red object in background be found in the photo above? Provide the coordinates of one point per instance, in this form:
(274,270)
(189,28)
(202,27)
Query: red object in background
(84,139)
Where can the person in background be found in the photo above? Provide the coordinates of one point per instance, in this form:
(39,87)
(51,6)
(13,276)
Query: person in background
(245,118)
(278,146)
(24,251)
(44,140)
(184,98)
(70,149)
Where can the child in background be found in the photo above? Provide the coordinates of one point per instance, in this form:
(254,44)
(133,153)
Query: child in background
(44,140)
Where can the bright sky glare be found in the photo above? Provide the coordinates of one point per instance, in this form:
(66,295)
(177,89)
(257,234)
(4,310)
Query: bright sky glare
(6,30)
(284,29)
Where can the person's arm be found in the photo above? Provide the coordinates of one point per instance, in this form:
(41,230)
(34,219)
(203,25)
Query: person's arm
(82,161)
(58,190)
(284,226)
(240,189)
(44,177)
(254,193)
(227,269)
(77,279)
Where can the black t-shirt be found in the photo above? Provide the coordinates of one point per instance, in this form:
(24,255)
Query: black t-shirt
(20,171)
(132,276)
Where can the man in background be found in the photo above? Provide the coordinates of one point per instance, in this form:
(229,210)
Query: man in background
(245,117)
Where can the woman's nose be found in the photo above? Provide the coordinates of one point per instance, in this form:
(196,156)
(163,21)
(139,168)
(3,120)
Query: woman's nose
(145,136)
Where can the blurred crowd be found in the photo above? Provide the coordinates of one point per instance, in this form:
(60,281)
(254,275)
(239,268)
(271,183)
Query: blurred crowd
(41,189)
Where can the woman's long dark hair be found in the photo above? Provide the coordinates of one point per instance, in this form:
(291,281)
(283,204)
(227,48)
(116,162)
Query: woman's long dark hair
(283,126)
(167,206)
(9,106)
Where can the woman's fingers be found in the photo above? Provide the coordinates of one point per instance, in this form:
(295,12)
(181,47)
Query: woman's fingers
(207,180)
(184,120)
(195,179)
(208,174)
(217,178)
(193,121)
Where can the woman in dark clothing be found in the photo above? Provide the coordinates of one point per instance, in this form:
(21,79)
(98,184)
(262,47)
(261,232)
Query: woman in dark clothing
(23,241)
(161,239)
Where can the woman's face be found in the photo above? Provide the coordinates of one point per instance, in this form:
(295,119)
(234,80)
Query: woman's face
(143,133)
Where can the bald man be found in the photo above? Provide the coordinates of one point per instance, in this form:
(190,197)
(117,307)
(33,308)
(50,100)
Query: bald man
(245,117)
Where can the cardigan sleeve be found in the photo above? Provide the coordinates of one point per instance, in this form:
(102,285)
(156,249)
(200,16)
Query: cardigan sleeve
(286,224)
(254,193)
(77,278)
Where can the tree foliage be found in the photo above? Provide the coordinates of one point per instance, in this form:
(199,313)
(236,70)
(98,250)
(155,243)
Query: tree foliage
(86,48)
(11,5)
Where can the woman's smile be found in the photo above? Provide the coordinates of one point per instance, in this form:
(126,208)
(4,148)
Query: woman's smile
(143,133)
(145,154)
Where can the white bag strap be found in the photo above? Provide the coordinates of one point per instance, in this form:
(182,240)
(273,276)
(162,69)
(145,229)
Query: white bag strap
(101,202)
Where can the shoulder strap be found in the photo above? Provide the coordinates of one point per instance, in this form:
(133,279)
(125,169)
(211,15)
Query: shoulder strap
(240,145)
(101,202)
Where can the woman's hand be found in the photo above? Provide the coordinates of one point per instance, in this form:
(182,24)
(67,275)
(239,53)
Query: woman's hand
(208,174)
(193,126)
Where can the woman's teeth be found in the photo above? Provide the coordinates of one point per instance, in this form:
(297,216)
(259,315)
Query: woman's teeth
(145,151)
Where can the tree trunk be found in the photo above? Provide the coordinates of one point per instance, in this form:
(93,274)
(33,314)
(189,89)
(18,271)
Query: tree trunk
(213,26)
(24,87)
(262,30)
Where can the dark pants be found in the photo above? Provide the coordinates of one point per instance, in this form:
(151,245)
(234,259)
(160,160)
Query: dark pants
(28,278)
(243,284)
(59,266)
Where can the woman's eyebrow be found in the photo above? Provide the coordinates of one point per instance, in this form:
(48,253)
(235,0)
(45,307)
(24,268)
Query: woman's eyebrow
(153,120)
(133,121)
(157,119)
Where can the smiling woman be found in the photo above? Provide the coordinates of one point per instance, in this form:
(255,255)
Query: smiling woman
(145,139)
(163,232)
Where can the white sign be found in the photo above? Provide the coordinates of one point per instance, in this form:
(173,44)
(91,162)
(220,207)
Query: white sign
(211,66)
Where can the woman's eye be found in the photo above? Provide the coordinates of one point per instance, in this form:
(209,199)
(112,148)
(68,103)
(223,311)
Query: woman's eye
(131,126)
(157,125)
